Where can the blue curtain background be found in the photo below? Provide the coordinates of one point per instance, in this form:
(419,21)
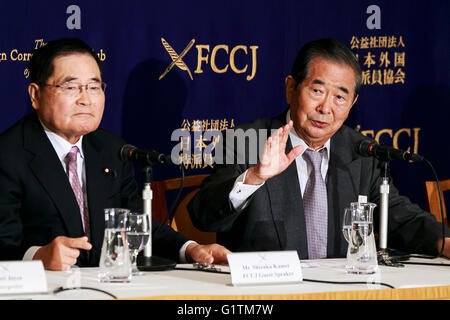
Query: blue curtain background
(412,103)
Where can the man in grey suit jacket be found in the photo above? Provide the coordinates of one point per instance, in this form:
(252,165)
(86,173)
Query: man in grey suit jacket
(260,206)
(41,214)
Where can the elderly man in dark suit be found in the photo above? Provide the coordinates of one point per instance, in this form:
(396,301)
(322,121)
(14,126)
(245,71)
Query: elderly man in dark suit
(293,197)
(60,171)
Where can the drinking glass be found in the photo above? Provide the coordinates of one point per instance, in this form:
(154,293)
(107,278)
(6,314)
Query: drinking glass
(361,254)
(115,263)
(347,232)
(138,234)
(347,224)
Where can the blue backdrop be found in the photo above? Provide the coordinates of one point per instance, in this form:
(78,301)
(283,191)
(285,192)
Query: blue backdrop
(234,58)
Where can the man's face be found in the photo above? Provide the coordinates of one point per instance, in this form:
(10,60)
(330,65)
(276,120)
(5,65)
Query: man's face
(321,102)
(66,115)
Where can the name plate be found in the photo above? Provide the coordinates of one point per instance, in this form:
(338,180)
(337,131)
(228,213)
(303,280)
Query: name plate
(266,267)
(22,277)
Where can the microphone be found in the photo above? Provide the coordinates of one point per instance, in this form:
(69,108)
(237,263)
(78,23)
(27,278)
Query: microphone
(145,157)
(369,148)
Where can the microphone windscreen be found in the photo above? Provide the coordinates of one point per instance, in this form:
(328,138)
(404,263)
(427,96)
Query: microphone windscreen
(363,147)
(125,151)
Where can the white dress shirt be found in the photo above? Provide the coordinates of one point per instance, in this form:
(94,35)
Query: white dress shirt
(241,192)
(62,148)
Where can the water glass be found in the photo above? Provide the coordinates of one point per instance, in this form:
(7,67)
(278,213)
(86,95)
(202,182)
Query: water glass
(361,254)
(115,264)
(347,224)
(138,235)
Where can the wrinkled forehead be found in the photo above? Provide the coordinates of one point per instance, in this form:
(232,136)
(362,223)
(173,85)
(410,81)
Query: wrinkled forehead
(75,66)
(331,73)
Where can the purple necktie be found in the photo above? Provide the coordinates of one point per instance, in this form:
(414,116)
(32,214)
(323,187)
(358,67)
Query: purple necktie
(316,207)
(71,167)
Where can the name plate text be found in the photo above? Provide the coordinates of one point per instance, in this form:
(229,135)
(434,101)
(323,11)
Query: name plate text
(266,267)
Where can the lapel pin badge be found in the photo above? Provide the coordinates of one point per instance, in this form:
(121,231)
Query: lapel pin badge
(109,172)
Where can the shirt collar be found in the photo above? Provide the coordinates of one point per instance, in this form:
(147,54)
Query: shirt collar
(296,140)
(61,145)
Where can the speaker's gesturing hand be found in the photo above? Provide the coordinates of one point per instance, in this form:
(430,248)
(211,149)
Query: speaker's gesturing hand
(273,160)
(61,253)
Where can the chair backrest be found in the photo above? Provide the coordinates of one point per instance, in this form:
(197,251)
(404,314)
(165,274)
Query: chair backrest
(431,195)
(181,221)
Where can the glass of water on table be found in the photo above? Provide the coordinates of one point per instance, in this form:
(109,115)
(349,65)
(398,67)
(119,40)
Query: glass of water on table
(138,235)
(347,224)
(357,228)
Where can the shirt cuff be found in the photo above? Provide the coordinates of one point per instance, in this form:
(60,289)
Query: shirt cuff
(241,192)
(29,254)
(183,251)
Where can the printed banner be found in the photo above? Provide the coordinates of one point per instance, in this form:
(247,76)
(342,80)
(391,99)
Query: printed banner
(212,65)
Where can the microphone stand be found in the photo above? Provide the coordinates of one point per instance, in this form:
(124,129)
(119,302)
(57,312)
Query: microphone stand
(386,256)
(148,262)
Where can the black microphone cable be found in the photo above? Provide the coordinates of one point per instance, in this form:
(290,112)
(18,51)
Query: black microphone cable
(169,215)
(441,251)
(61,289)
(213,269)
(351,282)
(440,254)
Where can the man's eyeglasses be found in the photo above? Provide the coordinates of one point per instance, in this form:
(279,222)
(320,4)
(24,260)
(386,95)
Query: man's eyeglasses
(73,89)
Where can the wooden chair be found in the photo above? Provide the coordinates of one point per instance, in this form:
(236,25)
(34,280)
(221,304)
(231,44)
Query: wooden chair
(181,221)
(432,203)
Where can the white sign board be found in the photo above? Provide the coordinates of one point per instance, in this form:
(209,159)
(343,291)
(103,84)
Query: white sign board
(22,277)
(266,267)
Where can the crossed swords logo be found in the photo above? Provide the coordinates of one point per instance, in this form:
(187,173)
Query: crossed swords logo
(176,59)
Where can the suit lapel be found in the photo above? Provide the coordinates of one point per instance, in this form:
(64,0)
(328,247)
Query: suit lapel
(47,168)
(98,188)
(343,179)
(287,204)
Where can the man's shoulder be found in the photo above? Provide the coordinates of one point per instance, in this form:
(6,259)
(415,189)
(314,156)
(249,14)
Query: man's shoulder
(105,138)
(349,135)
(13,135)
(265,123)
(344,144)
(105,135)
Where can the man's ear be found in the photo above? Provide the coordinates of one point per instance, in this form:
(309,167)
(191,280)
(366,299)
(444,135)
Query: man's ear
(354,100)
(34,92)
(290,88)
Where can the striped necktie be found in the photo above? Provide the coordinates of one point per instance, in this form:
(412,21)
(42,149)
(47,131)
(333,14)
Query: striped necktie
(315,204)
(71,168)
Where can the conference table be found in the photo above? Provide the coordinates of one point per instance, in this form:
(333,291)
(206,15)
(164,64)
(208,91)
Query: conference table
(417,279)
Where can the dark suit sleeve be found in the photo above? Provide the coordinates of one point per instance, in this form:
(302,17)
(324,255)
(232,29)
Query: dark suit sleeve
(166,242)
(11,246)
(211,209)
